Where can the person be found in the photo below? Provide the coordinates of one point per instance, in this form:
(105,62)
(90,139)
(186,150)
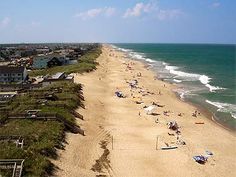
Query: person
(194,114)
(157,120)
(178,132)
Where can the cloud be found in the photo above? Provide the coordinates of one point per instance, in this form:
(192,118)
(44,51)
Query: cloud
(215,4)
(5,22)
(91,13)
(169,14)
(152,9)
(139,9)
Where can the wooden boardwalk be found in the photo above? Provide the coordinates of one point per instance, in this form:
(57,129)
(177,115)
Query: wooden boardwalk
(15,164)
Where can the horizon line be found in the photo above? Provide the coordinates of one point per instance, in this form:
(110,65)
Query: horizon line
(27,43)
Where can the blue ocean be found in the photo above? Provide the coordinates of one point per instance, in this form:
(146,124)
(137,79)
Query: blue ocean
(205,73)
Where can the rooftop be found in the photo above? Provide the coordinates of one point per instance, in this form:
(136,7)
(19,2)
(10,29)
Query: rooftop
(57,75)
(11,69)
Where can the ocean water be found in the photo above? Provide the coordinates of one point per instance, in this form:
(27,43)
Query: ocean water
(205,73)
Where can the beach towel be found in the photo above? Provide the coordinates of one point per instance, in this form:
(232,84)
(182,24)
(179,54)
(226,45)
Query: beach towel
(149,109)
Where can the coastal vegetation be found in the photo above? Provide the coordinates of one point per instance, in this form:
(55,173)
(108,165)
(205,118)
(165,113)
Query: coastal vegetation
(42,137)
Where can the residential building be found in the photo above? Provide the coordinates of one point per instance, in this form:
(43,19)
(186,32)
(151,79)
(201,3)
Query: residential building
(40,62)
(50,60)
(10,74)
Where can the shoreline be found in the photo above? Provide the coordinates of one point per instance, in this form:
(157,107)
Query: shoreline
(206,111)
(210,115)
(122,139)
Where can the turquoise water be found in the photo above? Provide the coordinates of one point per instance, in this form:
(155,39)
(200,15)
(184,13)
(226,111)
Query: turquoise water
(205,73)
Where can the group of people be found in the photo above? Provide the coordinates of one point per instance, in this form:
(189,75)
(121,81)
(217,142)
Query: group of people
(196,113)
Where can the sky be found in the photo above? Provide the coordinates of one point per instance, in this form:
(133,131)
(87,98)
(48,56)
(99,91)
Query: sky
(118,21)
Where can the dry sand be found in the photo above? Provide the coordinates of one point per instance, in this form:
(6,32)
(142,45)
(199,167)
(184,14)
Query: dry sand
(120,142)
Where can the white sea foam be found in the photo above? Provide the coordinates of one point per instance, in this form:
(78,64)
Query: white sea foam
(182,92)
(182,95)
(121,49)
(205,80)
(173,70)
(224,107)
(213,88)
(136,55)
(124,50)
(176,80)
(150,60)
(233,115)
(164,63)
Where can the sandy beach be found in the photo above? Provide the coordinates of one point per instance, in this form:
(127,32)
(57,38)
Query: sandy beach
(123,140)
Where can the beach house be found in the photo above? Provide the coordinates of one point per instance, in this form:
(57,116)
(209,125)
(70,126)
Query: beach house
(50,60)
(10,74)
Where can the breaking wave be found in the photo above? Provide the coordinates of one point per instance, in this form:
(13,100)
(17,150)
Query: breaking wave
(224,107)
(205,80)
(150,60)
(178,81)
(137,55)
